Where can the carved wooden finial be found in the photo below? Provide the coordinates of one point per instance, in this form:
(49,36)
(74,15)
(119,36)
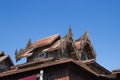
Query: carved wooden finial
(69,35)
(29,44)
(70,31)
(16,55)
(86,35)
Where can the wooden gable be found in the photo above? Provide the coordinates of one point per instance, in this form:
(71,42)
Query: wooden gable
(5,62)
(85,48)
(58,47)
(32,50)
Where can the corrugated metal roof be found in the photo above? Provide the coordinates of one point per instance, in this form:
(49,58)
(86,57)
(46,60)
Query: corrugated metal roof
(40,43)
(53,47)
(45,41)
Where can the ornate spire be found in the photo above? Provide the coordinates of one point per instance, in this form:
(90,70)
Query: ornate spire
(28,44)
(70,32)
(69,35)
(86,35)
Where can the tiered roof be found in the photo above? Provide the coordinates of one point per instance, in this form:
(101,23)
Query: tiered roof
(40,43)
(53,43)
(56,42)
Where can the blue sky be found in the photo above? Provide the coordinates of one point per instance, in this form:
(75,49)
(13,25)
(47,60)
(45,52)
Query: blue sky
(35,19)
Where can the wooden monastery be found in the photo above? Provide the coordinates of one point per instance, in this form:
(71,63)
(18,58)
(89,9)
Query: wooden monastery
(56,58)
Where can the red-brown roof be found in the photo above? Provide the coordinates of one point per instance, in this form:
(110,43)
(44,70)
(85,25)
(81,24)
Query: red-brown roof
(61,61)
(46,41)
(95,64)
(40,43)
(55,46)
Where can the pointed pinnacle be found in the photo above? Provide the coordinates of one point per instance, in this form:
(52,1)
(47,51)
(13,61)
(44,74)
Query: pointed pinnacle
(86,34)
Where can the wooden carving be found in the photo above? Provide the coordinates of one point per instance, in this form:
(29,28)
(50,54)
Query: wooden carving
(85,42)
(16,55)
(67,43)
(28,44)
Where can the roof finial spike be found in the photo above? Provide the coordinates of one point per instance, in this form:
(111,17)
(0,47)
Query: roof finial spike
(86,35)
(16,55)
(29,43)
(70,31)
(70,34)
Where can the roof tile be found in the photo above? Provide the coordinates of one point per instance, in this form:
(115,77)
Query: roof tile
(40,43)
(45,41)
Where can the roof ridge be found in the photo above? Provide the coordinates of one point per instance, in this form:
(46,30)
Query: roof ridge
(47,37)
(3,58)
